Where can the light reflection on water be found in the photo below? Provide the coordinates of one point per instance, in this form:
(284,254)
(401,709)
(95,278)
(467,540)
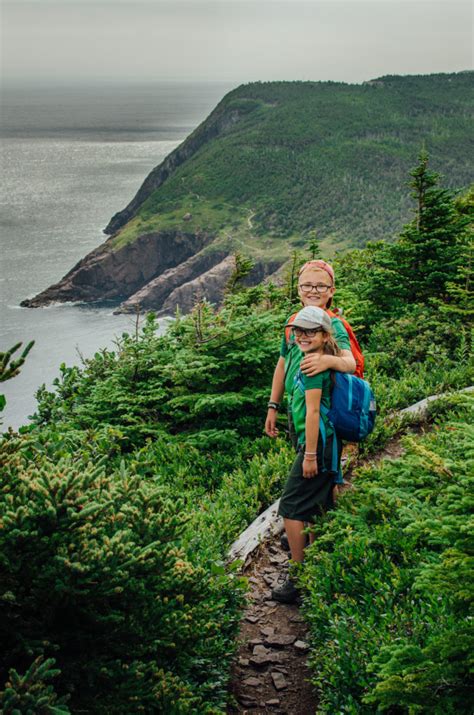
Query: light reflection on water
(62,334)
(51,216)
(68,164)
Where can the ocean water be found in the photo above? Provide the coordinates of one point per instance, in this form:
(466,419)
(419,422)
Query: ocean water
(71,158)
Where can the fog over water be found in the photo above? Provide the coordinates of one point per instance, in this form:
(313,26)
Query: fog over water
(234,40)
(70,160)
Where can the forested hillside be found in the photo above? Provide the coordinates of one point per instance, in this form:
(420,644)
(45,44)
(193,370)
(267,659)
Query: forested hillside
(274,164)
(325,156)
(119,503)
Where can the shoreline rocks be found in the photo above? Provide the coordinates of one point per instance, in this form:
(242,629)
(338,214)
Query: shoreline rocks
(116,273)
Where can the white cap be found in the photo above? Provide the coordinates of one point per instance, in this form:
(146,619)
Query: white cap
(311,317)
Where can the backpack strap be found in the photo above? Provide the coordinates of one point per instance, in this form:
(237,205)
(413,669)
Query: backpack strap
(335,467)
(355,347)
(288,329)
(298,381)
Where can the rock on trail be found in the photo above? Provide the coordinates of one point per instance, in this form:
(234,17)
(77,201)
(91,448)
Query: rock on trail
(270,674)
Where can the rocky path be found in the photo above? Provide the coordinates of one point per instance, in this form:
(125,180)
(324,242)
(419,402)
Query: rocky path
(270,674)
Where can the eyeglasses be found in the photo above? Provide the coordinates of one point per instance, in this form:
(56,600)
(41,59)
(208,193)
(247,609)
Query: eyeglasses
(309,332)
(318,288)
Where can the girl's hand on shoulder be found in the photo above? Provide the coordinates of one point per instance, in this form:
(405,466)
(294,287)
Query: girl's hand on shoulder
(310,468)
(313,364)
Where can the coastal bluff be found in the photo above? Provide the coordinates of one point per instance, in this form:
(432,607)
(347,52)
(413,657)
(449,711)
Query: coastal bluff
(274,163)
(159,272)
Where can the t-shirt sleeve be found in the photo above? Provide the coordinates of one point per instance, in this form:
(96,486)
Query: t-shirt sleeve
(313,383)
(340,334)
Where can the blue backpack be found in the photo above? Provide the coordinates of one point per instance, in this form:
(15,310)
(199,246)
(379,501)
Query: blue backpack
(352,411)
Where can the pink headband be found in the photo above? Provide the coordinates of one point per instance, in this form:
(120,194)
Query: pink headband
(319,264)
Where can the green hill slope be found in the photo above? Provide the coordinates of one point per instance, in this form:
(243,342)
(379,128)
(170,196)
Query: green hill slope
(273,163)
(277,159)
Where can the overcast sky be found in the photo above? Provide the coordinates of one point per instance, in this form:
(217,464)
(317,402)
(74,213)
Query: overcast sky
(232,40)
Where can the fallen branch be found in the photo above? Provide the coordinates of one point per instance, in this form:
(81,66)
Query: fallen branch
(267,524)
(419,409)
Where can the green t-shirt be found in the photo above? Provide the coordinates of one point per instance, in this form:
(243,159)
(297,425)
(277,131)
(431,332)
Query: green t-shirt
(293,355)
(297,400)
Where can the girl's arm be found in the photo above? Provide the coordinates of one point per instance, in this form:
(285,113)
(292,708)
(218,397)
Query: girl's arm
(315,363)
(278,388)
(310,462)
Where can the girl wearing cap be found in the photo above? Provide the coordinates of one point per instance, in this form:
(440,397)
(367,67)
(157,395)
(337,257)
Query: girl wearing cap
(308,490)
(316,288)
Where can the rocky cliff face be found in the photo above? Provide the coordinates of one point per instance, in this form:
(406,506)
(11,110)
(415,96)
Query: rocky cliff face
(154,294)
(116,273)
(158,271)
(211,285)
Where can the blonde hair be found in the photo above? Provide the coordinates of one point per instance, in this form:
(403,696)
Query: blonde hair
(330,345)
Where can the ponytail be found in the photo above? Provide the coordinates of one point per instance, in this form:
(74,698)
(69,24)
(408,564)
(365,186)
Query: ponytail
(330,346)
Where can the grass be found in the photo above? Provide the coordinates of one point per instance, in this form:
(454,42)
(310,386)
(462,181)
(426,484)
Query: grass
(230,225)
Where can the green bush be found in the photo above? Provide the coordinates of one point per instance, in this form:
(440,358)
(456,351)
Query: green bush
(211,368)
(242,495)
(389,580)
(31,694)
(94,573)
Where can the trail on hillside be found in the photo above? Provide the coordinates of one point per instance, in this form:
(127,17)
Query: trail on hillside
(270,674)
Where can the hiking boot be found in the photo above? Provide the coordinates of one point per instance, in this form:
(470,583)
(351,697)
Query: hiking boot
(284,543)
(286,593)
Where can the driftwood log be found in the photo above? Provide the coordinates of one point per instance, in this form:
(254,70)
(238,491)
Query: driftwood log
(419,409)
(266,525)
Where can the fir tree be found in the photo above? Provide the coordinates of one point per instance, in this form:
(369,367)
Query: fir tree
(291,276)
(243,266)
(428,261)
(312,245)
(428,254)
(31,694)
(10,368)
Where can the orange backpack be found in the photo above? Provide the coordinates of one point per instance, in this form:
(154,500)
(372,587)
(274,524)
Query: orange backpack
(355,347)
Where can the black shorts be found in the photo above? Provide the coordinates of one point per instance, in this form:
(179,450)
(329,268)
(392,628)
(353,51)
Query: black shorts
(306,499)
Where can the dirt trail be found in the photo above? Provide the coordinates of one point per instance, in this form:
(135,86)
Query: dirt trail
(270,674)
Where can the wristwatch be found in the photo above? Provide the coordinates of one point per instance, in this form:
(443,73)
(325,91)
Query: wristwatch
(273,405)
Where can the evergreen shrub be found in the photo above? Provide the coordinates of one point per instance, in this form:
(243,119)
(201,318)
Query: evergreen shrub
(389,580)
(94,574)
(210,367)
(31,694)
